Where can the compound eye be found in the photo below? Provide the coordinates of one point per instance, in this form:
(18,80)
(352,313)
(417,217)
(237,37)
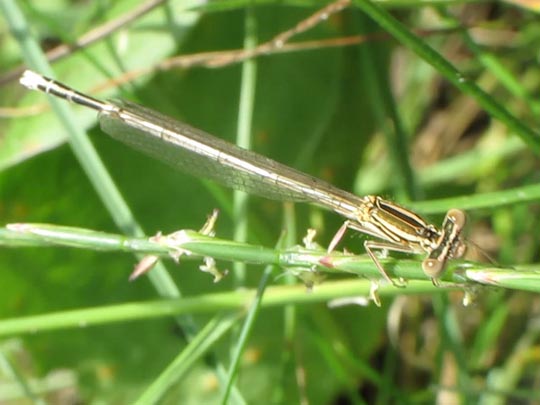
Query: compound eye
(433,268)
(458,217)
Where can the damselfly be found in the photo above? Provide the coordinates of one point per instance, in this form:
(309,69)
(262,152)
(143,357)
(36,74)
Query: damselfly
(201,154)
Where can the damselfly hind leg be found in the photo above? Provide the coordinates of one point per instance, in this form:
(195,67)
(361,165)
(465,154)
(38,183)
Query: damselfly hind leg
(369,245)
(338,236)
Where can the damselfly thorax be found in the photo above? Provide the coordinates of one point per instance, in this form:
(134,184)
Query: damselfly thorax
(402,230)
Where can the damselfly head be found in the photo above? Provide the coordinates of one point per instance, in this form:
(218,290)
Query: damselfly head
(449,246)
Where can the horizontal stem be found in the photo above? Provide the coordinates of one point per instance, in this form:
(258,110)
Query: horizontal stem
(207,303)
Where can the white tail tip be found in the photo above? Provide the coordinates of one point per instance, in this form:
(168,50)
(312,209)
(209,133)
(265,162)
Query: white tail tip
(32,80)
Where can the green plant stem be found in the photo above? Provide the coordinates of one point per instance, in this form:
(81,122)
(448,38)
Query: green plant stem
(244,133)
(445,68)
(181,365)
(275,296)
